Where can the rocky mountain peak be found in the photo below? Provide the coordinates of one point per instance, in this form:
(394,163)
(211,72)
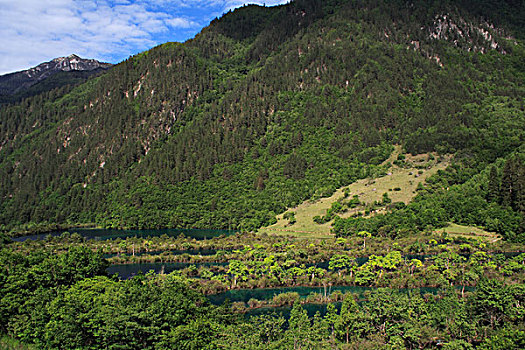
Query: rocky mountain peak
(19,81)
(69,63)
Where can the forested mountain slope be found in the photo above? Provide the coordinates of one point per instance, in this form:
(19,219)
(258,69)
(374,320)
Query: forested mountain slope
(267,107)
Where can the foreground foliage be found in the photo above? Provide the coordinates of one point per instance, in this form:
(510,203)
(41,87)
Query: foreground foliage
(56,294)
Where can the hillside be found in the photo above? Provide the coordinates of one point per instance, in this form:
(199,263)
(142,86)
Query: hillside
(400,182)
(269,107)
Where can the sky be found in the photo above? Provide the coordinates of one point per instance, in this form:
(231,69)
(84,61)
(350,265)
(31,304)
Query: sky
(36,31)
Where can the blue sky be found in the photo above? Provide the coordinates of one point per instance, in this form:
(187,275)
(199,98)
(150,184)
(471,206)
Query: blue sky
(35,31)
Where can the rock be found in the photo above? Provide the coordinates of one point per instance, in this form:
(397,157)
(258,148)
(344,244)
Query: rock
(12,83)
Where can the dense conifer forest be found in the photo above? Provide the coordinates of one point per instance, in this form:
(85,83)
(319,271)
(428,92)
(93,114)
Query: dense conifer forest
(268,107)
(265,109)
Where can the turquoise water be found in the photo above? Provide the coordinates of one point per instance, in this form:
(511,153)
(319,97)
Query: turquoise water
(204,252)
(126,271)
(103,234)
(244,295)
(311,309)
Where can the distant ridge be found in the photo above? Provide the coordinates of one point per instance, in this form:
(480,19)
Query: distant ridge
(73,69)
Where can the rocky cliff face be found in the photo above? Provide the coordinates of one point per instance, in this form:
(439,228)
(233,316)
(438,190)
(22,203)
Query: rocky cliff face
(14,83)
(480,37)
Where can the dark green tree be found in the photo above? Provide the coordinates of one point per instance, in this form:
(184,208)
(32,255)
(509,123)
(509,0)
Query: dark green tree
(493,191)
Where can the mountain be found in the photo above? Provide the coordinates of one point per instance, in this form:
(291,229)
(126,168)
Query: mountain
(47,76)
(268,107)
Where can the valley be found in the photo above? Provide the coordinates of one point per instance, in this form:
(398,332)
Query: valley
(332,174)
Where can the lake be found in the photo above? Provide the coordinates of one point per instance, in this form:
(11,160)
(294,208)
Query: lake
(103,234)
(244,295)
(126,271)
(204,252)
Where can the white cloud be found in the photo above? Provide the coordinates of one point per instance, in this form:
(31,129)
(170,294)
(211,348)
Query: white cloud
(34,31)
(179,22)
(231,4)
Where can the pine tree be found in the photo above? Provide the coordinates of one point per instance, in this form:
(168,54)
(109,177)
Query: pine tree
(513,184)
(519,204)
(507,192)
(494,185)
(299,325)
(348,323)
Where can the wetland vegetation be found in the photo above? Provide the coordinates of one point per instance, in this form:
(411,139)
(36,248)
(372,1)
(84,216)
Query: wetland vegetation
(354,294)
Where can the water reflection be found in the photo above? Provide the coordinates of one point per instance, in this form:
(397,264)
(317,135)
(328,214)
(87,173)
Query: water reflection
(126,271)
(104,234)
